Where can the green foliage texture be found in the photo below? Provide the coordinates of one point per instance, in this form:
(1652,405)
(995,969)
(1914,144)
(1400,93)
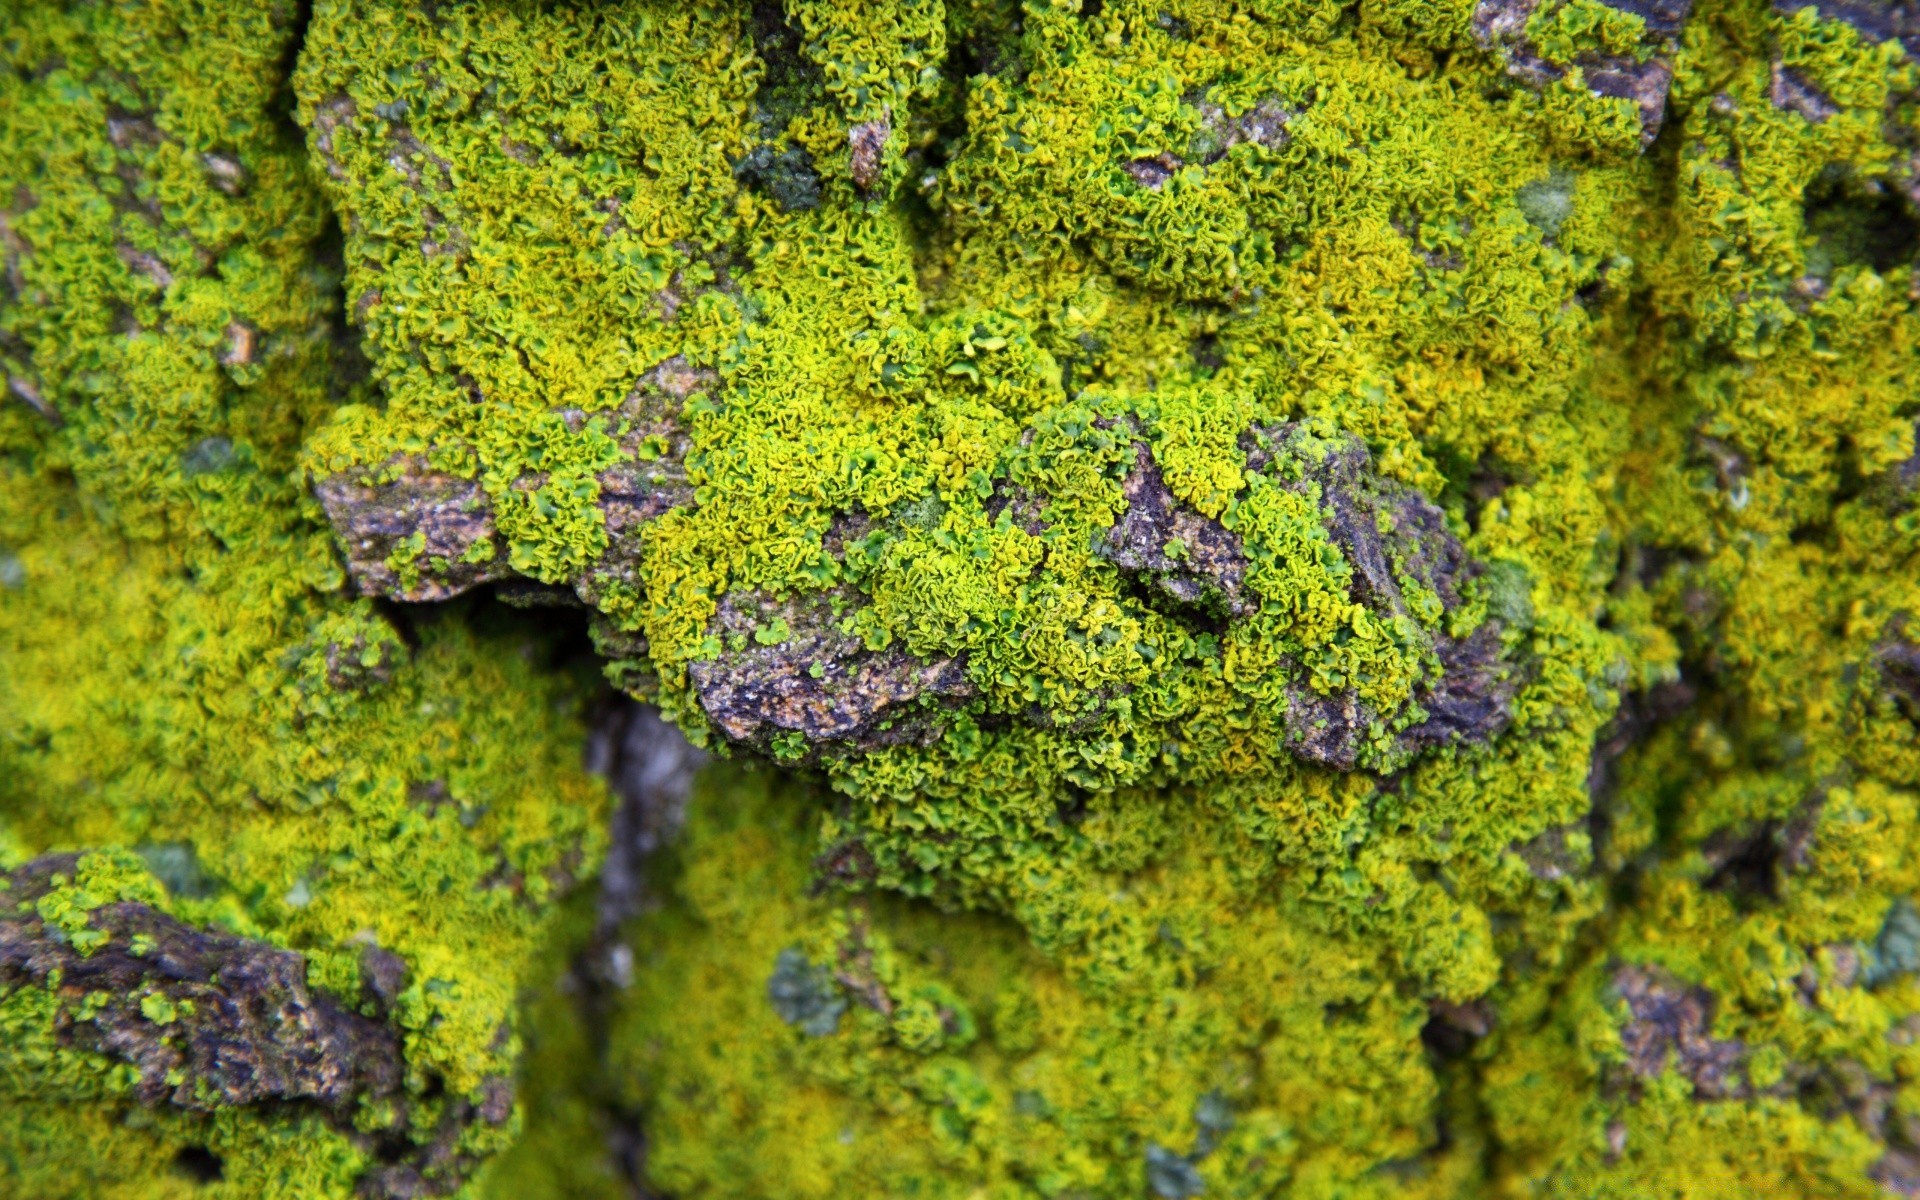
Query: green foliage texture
(1135,947)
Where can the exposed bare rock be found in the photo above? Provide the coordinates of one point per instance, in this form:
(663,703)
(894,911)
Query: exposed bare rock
(651,476)
(441,522)
(650,765)
(1898,660)
(1795,93)
(1264,125)
(206,1019)
(1873,20)
(867,145)
(1377,523)
(1500,26)
(1471,698)
(1186,559)
(787,668)
(1669,1026)
(1153,173)
(1664,18)
(1898,1171)
(227,173)
(417,534)
(1023,507)
(1906,476)
(1643,83)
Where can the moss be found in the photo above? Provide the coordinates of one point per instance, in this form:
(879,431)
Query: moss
(179,669)
(962,1061)
(1358,564)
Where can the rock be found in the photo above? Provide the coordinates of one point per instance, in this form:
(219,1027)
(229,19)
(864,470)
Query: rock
(867,144)
(1898,660)
(416,534)
(1378,522)
(206,1019)
(1668,1028)
(1796,93)
(650,765)
(1500,26)
(786,669)
(1873,20)
(1187,560)
(1153,173)
(1264,125)
(406,512)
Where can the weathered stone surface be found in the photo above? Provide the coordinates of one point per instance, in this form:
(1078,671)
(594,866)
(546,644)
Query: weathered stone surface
(1187,559)
(1794,92)
(1874,20)
(1377,523)
(787,668)
(867,144)
(1643,83)
(650,766)
(412,533)
(209,1020)
(1907,475)
(1898,659)
(1452,1029)
(1263,124)
(1500,26)
(442,522)
(1669,1027)
(650,479)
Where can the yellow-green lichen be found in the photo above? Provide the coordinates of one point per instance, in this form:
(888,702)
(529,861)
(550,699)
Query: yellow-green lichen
(726,317)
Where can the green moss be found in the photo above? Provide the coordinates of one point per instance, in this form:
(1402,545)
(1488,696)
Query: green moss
(961,1061)
(930,275)
(179,670)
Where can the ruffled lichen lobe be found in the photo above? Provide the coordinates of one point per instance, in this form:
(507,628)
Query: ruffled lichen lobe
(1302,599)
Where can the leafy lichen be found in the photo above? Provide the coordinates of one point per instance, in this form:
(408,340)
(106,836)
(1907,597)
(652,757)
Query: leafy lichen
(1335,586)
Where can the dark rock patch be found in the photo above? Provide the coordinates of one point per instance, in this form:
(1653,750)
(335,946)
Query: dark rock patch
(1669,1027)
(787,667)
(1189,561)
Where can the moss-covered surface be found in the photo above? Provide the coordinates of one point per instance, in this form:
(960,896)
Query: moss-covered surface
(1330,590)
(184,689)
